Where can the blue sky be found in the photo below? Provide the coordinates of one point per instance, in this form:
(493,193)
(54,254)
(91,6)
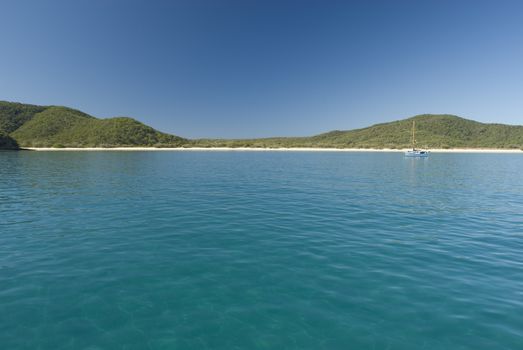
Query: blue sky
(248,68)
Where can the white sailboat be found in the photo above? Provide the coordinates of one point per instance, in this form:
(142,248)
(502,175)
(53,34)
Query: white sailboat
(415,152)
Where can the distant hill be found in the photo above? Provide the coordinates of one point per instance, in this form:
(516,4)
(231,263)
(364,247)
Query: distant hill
(53,126)
(432,131)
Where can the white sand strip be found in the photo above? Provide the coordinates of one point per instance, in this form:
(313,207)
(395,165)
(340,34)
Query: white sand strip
(451,150)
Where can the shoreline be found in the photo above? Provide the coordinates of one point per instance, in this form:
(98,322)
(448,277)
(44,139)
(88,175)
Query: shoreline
(252,149)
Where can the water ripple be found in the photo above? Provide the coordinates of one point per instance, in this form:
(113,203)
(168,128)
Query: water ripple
(174,250)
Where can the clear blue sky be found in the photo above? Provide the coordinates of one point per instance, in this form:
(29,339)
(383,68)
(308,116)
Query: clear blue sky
(265,68)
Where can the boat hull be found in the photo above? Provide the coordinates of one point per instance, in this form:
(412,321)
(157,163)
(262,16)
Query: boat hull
(417,154)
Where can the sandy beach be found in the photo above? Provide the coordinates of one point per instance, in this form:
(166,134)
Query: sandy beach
(244,149)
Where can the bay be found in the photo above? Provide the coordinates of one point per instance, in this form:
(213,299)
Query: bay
(260,250)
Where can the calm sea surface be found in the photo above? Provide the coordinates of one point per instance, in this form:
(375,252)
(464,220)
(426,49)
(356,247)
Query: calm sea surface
(260,250)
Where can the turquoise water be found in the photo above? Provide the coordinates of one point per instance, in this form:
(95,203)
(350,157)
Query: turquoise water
(260,250)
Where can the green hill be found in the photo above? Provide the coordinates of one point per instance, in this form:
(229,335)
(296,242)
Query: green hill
(38,126)
(432,131)
(53,126)
(14,115)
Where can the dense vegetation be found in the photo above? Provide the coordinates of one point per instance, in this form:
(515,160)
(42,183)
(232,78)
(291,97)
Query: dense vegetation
(14,115)
(7,142)
(432,131)
(52,126)
(65,127)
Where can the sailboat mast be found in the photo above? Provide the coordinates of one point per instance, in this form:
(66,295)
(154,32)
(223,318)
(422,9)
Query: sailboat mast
(413,134)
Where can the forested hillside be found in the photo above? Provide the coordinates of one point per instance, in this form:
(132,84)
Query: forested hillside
(54,126)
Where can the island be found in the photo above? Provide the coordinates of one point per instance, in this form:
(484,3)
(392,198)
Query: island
(26,126)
